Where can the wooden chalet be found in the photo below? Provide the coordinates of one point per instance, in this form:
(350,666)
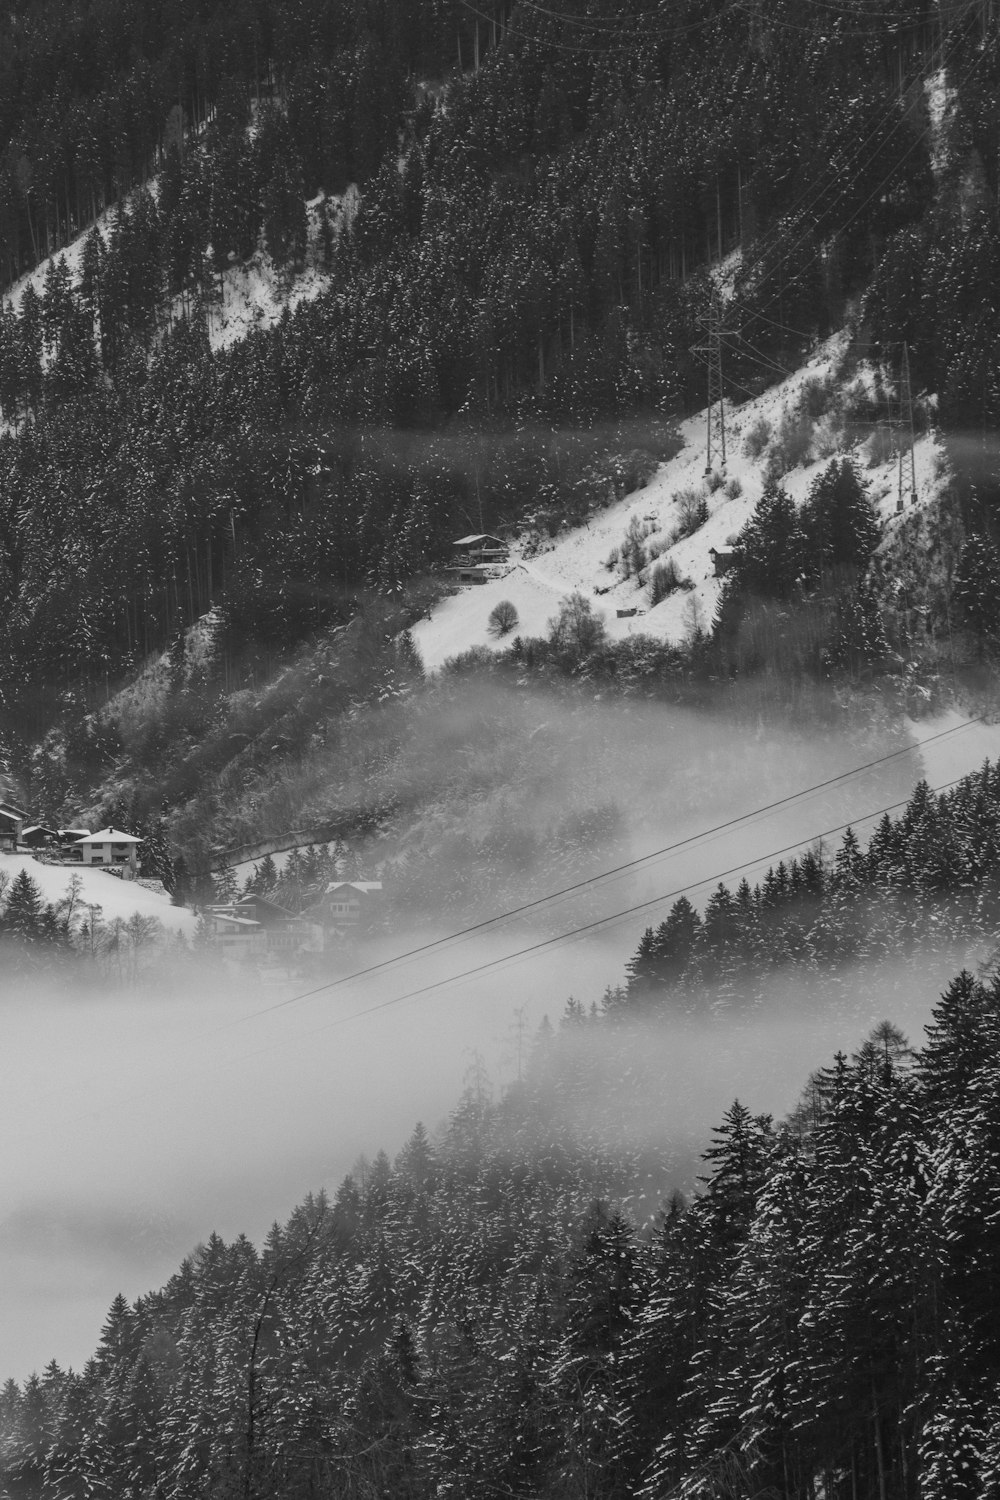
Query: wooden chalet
(345,907)
(11,823)
(253,927)
(39,836)
(476,556)
(723,558)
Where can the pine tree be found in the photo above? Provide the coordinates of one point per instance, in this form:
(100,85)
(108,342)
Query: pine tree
(977,586)
(772,552)
(839,519)
(23,910)
(961,1037)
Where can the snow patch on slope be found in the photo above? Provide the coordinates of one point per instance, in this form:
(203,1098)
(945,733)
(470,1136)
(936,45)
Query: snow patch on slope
(251,295)
(116,897)
(940,106)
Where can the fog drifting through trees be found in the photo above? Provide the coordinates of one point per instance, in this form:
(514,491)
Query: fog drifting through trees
(138,1123)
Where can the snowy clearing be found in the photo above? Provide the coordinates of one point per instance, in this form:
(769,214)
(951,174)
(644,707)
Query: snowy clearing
(116,897)
(576,560)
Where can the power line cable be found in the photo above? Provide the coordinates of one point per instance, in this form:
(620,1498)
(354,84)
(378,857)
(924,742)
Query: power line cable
(747,351)
(615,917)
(520,954)
(633,864)
(605,27)
(635,38)
(791,249)
(917,140)
(814,193)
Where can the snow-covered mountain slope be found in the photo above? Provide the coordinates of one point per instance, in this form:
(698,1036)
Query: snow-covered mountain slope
(576,561)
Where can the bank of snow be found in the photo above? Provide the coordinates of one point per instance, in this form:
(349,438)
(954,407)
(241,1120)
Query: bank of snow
(116,897)
(577,560)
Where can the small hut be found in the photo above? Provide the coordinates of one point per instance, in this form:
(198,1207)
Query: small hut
(723,559)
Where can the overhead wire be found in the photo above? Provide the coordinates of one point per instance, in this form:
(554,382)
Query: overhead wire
(636,38)
(747,349)
(790,249)
(629,865)
(811,198)
(753,354)
(807,201)
(633,26)
(812,195)
(491,965)
(751,312)
(571,935)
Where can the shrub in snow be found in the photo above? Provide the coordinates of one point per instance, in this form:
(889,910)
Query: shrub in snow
(576,631)
(692,513)
(862,403)
(633,550)
(715,481)
(816,396)
(503,618)
(881,446)
(757,437)
(694,620)
(828,437)
(664,580)
(793,443)
(734,488)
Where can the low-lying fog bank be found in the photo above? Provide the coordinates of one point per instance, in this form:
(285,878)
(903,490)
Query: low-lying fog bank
(136,1123)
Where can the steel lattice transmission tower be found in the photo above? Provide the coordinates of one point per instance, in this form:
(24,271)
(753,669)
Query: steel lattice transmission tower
(710,352)
(907,402)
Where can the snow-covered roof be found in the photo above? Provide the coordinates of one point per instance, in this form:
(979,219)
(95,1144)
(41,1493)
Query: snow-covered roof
(110,836)
(353,885)
(480,536)
(72,833)
(36,828)
(11,817)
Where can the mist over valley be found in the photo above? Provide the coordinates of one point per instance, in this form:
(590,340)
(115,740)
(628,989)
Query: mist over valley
(499,751)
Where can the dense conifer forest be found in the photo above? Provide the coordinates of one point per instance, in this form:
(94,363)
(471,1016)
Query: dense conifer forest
(926,880)
(541,194)
(483,1315)
(517,219)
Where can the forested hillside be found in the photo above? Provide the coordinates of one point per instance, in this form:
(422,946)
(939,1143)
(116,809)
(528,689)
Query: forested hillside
(541,195)
(523,226)
(478,1317)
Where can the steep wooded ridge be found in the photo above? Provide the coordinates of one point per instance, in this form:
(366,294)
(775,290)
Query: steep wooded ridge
(468,1320)
(500,325)
(525,252)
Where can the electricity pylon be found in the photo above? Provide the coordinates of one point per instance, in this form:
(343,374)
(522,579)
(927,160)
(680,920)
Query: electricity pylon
(907,400)
(711,352)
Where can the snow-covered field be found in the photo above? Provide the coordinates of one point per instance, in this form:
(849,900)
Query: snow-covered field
(116,897)
(576,560)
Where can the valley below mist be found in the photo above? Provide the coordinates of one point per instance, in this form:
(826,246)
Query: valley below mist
(138,1122)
